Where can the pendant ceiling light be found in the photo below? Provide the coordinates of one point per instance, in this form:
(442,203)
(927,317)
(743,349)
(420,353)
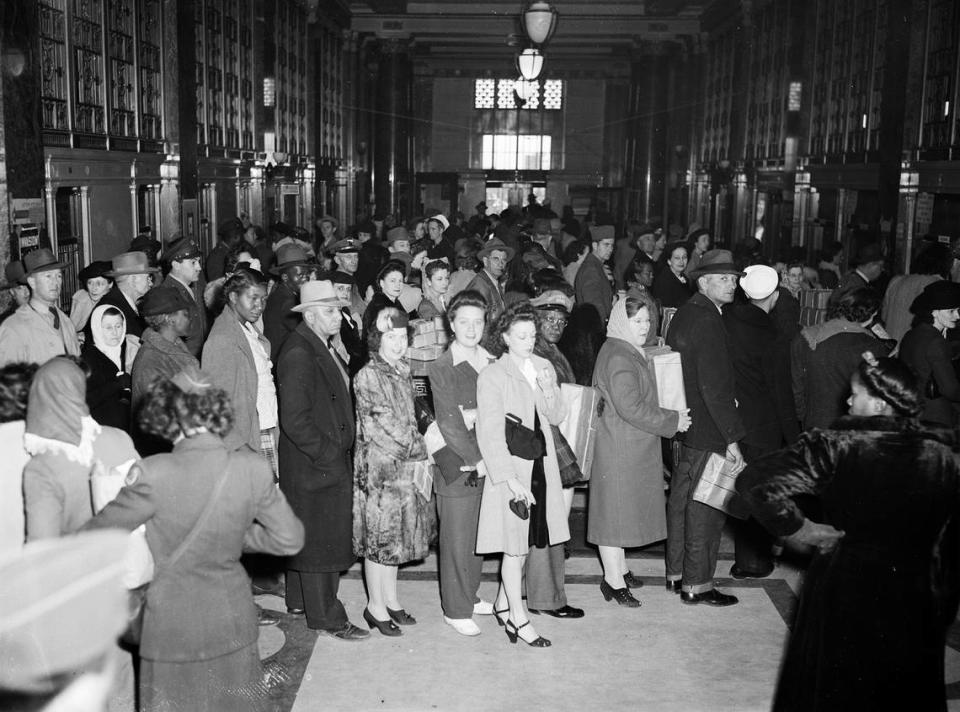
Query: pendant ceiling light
(530,64)
(539,21)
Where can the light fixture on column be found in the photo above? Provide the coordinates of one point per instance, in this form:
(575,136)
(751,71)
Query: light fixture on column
(530,64)
(539,21)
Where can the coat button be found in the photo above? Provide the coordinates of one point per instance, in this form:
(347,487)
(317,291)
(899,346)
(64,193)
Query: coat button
(341,427)
(332,397)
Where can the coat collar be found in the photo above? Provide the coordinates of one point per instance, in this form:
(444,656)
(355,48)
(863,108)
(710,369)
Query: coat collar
(161,344)
(200,441)
(510,366)
(892,424)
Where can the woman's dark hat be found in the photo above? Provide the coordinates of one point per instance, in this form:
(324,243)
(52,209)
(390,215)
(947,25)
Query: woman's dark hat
(93,270)
(716,262)
(939,295)
(162,300)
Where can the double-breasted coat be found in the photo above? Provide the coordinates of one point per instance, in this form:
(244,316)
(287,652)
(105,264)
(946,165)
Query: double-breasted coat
(502,389)
(316,442)
(627,503)
(228,359)
(391,521)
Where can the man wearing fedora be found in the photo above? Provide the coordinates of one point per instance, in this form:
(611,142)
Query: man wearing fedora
(132,276)
(230,234)
(279,319)
(494,255)
(38,330)
(698,334)
(15,282)
(592,284)
(182,259)
(317,431)
(479,223)
(870,265)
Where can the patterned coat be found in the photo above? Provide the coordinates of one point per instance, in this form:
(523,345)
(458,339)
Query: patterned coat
(391,521)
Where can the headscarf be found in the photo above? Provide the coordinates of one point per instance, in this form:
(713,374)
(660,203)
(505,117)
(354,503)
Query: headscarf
(100,338)
(618,326)
(58,420)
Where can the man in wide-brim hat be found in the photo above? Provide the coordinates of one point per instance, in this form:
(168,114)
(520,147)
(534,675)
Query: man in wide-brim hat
(15,281)
(494,255)
(39,330)
(317,431)
(132,276)
(293,269)
(698,334)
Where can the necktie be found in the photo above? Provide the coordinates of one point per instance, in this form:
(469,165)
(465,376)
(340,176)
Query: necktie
(56,318)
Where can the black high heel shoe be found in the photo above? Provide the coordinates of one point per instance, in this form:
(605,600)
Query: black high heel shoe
(620,595)
(632,580)
(513,635)
(501,621)
(388,627)
(401,617)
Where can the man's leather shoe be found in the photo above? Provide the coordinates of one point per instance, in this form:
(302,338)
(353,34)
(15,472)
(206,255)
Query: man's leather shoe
(712,598)
(738,573)
(563,612)
(267,617)
(674,586)
(349,632)
(295,611)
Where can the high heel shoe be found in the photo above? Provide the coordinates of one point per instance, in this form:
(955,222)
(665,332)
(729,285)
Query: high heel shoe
(388,627)
(621,595)
(513,635)
(401,617)
(501,621)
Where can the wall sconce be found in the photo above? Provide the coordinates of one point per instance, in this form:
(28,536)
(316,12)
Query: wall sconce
(539,21)
(530,64)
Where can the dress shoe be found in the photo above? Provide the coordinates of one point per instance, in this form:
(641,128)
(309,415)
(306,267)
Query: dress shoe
(632,580)
(482,608)
(349,632)
(464,626)
(387,627)
(401,617)
(513,633)
(738,573)
(621,595)
(563,612)
(501,616)
(674,586)
(265,617)
(712,598)
(295,611)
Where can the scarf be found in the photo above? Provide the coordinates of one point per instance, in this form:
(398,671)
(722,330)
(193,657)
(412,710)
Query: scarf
(114,353)
(58,420)
(618,326)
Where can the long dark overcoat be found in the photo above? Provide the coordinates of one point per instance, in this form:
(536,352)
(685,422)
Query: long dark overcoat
(316,439)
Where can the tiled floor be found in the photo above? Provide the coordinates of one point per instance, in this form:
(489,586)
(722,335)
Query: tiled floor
(662,656)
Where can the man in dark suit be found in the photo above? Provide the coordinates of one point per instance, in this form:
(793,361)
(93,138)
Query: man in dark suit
(697,332)
(132,277)
(317,430)
(593,284)
(279,319)
(870,266)
(182,258)
(494,255)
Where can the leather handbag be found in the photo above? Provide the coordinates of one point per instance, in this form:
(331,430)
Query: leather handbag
(524,442)
(520,508)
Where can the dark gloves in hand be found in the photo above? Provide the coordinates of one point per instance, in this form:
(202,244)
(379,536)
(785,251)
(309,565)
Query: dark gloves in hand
(473,479)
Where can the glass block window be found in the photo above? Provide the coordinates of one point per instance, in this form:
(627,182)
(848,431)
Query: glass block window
(553,94)
(483,93)
(512,153)
(548,93)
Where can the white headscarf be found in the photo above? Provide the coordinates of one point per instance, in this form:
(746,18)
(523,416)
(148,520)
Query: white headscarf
(100,339)
(618,326)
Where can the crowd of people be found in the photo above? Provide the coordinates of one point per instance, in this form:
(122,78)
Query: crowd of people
(262,399)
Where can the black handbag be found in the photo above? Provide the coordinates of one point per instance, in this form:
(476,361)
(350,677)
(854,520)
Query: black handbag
(523,442)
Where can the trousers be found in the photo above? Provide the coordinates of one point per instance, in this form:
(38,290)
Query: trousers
(693,529)
(459,567)
(316,594)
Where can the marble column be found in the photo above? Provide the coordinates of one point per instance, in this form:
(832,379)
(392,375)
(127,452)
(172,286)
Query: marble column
(391,157)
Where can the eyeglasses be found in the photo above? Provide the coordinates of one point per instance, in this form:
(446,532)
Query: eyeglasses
(555,321)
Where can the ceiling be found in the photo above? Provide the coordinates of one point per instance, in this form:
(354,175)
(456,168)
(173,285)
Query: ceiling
(471,35)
